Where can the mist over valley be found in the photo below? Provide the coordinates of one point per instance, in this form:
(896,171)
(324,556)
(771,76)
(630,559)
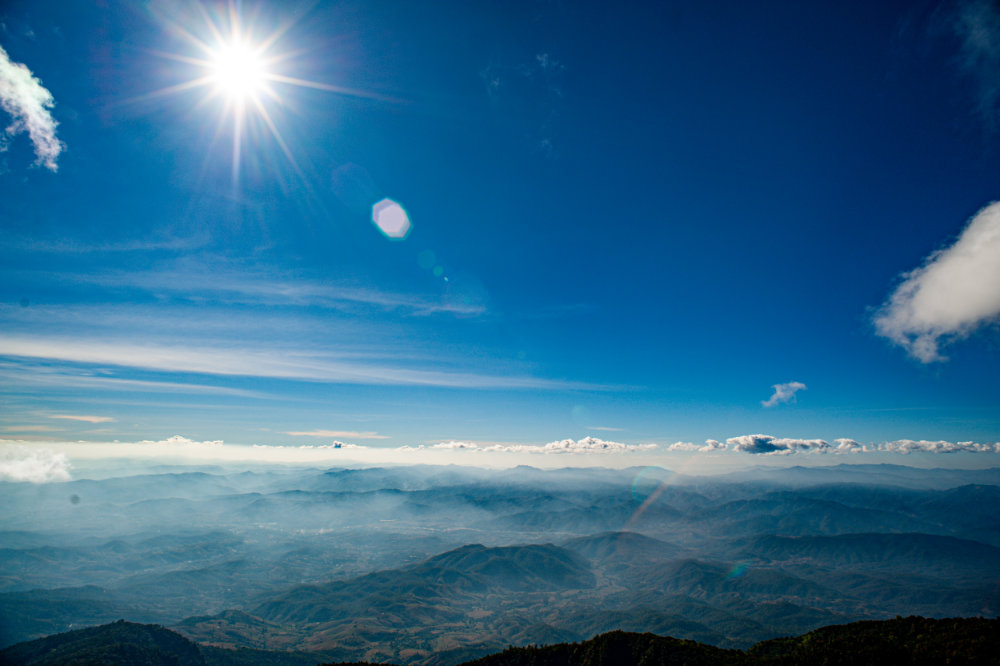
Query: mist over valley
(439,564)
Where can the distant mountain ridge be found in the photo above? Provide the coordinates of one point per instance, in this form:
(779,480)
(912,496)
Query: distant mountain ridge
(910,641)
(437,565)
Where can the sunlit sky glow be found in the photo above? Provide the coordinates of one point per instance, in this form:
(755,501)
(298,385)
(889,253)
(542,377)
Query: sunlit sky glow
(459,232)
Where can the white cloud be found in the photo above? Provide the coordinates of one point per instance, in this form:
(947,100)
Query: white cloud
(24,463)
(28,102)
(303,365)
(82,417)
(593,445)
(334,445)
(848,446)
(783,393)
(564,446)
(781,446)
(953,293)
(460,445)
(345,434)
(906,446)
(709,446)
(683,446)
(224,283)
(180,441)
(776,446)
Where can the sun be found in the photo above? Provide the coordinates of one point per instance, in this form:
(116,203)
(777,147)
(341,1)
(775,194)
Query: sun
(238,70)
(246,74)
(242,73)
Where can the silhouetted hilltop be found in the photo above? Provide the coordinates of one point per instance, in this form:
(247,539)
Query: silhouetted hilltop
(617,648)
(904,640)
(129,644)
(910,641)
(119,643)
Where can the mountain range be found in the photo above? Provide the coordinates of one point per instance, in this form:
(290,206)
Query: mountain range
(440,565)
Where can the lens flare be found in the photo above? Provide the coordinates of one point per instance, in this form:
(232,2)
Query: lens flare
(737,570)
(391,219)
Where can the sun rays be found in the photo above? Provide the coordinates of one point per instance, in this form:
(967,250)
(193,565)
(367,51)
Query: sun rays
(241,72)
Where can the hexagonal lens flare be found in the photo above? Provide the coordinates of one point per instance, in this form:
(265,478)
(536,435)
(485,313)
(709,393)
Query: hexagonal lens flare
(391,219)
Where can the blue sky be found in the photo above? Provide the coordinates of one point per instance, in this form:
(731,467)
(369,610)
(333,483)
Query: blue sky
(648,224)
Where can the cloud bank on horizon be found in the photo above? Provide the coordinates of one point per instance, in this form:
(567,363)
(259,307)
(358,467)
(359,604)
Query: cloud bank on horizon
(50,461)
(29,104)
(21,462)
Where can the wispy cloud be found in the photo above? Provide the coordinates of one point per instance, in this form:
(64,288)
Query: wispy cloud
(338,434)
(28,103)
(977,25)
(27,243)
(44,374)
(956,291)
(533,88)
(243,286)
(82,417)
(302,365)
(31,428)
(19,462)
(783,393)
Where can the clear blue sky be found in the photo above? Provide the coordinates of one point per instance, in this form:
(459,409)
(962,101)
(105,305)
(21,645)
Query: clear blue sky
(627,222)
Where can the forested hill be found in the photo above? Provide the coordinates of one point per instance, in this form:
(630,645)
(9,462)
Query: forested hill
(907,641)
(910,641)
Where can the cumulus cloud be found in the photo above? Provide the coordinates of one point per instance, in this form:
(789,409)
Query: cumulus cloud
(956,291)
(24,463)
(82,417)
(844,445)
(906,446)
(564,446)
(783,393)
(709,446)
(181,442)
(775,446)
(458,445)
(28,103)
(780,446)
(592,445)
(346,434)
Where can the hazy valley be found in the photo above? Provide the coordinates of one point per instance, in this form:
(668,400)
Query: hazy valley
(443,564)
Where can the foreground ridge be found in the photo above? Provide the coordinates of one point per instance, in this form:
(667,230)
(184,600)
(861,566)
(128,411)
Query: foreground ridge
(914,640)
(901,641)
